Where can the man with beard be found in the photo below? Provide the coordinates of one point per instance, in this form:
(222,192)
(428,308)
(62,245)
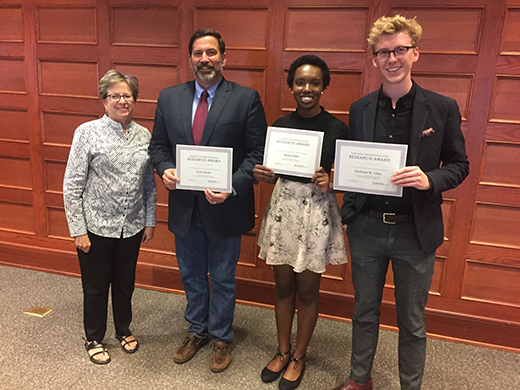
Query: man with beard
(209,111)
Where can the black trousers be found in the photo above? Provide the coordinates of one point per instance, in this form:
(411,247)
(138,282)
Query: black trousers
(110,262)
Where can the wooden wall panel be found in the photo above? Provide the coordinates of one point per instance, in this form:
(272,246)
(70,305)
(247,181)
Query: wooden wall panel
(492,283)
(497,162)
(53,52)
(245,27)
(14,172)
(152,78)
(11,23)
(510,42)
(146,25)
(66,24)
(69,79)
(506,100)
(16,217)
(13,75)
(14,124)
(496,225)
(58,127)
(449,29)
(321,29)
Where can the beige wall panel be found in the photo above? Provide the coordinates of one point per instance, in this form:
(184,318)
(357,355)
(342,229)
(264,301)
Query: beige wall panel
(66,24)
(57,223)
(510,43)
(12,77)
(14,124)
(496,225)
(152,78)
(11,24)
(241,28)
(447,30)
(16,217)
(506,100)
(252,78)
(344,89)
(58,127)
(153,26)
(491,283)
(326,29)
(53,173)
(15,172)
(69,79)
(497,162)
(458,87)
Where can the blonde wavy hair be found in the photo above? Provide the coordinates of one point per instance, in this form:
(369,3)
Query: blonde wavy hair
(394,24)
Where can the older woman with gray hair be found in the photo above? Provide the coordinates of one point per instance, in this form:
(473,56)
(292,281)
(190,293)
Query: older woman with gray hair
(109,196)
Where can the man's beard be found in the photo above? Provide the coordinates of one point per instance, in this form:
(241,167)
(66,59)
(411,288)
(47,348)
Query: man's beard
(216,71)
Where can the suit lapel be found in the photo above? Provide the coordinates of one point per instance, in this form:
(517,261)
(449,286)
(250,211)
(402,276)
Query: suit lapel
(369,118)
(186,101)
(217,106)
(421,110)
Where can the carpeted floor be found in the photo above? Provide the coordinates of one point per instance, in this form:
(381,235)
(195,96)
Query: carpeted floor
(47,353)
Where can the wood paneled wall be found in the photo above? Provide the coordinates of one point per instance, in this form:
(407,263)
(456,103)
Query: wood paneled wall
(53,52)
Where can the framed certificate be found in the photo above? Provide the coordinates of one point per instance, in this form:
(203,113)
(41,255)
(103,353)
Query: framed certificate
(202,167)
(368,166)
(292,151)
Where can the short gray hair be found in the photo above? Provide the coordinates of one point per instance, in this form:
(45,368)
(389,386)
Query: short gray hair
(113,77)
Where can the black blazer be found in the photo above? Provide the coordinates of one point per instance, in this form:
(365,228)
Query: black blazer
(440,154)
(236,119)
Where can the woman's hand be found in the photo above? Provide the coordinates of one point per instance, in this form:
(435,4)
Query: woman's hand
(82,242)
(321,179)
(263,173)
(147,234)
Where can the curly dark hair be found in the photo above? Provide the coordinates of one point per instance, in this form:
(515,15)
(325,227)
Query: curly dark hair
(309,59)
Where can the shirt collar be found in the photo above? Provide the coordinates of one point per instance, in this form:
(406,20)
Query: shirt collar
(211,90)
(406,100)
(113,124)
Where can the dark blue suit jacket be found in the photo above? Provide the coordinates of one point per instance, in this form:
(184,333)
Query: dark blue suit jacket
(441,155)
(236,119)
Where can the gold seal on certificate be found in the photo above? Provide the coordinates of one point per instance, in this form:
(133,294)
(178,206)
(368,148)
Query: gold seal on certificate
(202,167)
(368,166)
(292,151)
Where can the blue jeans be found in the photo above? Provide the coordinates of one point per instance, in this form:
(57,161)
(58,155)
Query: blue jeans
(211,301)
(373,244)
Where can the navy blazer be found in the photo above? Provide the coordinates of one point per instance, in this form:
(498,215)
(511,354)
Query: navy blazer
(441,155)
(236,119)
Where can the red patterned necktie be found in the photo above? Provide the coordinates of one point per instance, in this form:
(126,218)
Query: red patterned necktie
(200,117)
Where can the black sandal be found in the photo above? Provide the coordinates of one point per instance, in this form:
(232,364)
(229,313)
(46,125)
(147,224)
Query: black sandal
(286,384)
(124,342)
(268,375)
(93,345)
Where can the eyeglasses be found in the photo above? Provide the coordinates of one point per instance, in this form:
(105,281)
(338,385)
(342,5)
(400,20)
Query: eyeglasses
(115,97)
(399,52)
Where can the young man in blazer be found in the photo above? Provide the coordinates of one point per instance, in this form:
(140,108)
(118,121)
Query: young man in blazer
(404,230)
(208,225)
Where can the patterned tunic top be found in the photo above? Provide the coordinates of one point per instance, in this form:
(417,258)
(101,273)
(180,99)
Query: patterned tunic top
(109,186)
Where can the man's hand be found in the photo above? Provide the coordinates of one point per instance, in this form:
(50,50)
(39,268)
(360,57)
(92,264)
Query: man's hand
(170,178)
(214,198)
(82,242)
(321,179)
(411,177)
(147,234)
(263,173)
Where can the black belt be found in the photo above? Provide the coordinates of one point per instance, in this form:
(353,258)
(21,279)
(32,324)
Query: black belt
(390,218)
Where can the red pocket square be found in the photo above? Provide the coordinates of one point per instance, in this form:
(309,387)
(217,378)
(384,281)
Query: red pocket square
(428,132)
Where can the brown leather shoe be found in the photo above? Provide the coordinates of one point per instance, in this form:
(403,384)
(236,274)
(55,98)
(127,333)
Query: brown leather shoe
(221,356)
(351,385)
(189,348)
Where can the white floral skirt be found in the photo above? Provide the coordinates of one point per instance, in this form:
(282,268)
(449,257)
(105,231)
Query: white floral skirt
(302,228)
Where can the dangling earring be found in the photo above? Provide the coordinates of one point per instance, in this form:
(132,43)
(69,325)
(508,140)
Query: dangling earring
(292,92)
(322,92)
